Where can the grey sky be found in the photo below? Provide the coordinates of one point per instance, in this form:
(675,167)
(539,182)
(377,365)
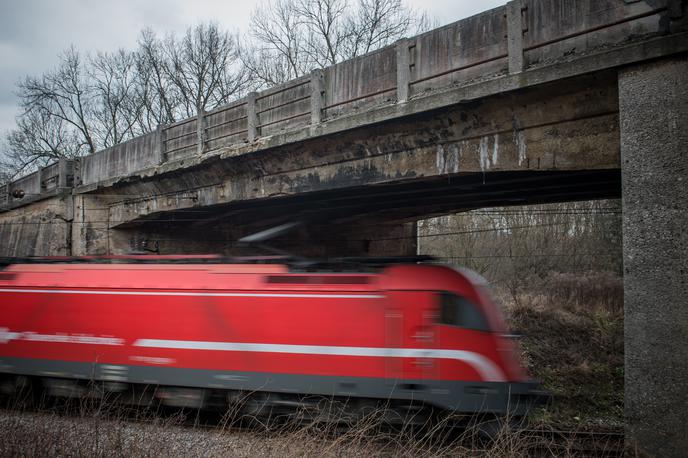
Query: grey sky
(34,32)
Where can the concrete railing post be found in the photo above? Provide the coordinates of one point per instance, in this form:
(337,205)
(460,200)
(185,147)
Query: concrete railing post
(403,70)
(160,149)
(76,172)
(200,131)
(317,91)
(252,117)
(4,195)
(678,16)
(41,178)
(62,172)
(514,30)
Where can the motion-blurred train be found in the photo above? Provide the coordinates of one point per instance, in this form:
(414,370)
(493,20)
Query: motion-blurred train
(199,331)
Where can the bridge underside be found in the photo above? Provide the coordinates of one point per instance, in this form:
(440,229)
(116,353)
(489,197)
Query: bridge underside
(402,202)
(333,219)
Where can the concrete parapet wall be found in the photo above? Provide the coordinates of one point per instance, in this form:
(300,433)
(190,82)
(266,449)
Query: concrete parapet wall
(287,106)
(50,176)
(180,139)
(30,185)
(459,52)
(121,160)
(555,30)
(227,125)
(41,184)
(360,83)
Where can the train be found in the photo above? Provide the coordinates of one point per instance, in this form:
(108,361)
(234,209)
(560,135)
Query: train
(200,331)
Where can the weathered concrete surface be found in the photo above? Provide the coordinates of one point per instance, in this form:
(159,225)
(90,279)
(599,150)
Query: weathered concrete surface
(135,154)
(43,228)
(552,128)
(200,230)
(91,225)
(524,44)
(44,183)
(653,100)
(437,98)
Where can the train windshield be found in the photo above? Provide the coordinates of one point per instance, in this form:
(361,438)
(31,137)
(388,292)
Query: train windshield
(459,311)
(497,318)
(492,307)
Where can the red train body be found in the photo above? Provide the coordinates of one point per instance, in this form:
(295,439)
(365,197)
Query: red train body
(425,333)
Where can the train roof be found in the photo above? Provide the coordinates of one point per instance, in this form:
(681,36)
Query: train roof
(214,272)
(293,263)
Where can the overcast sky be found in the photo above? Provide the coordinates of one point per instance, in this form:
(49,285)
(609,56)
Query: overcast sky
(34,32)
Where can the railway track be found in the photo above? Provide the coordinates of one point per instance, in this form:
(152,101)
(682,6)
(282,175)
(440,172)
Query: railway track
(527,442)
(574,442)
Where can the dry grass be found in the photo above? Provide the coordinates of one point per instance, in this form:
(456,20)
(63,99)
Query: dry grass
(96,433)
(572,327)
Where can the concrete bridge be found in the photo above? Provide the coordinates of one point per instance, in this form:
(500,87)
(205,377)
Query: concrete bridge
(537,101)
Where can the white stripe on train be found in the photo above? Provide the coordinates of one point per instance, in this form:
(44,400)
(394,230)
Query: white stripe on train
(485,367)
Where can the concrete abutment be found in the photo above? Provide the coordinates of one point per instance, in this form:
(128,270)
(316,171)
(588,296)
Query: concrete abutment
(43,228)
(653,110)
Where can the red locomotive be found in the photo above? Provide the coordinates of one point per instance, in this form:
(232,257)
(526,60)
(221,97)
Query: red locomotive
(206,330)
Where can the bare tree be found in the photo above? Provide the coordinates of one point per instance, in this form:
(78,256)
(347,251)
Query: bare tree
(175,78)
(378,23)
(203,68)
(291,37)
(65,94)
(88,103)
(38,140)
(520,247)
(328,29)
(5,174)
(158,95)
(277,52)
(117,109)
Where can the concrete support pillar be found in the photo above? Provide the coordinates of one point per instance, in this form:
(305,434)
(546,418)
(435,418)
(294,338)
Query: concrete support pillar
(41,228)
(653,111)
(252,117)
(514,27)
(90,226)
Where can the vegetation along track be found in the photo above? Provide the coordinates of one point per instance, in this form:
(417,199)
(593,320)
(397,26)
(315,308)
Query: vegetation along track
(437,439)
